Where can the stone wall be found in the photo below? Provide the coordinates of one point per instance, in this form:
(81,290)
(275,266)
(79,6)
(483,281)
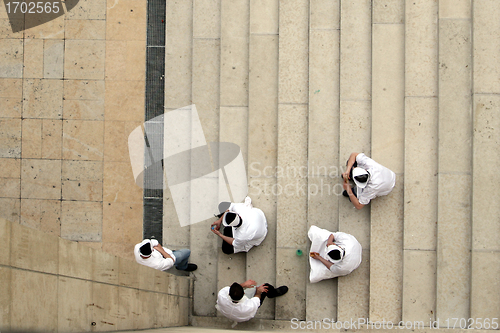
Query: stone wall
(54,285)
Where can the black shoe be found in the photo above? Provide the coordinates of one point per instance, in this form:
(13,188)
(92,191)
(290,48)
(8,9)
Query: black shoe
(345,194)
(278,292)
(190,268)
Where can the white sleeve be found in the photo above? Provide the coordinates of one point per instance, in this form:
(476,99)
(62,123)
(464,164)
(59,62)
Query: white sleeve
(223,291)
(339,236)
(165,264)
(335,270)
(362,160)
(364,201)
(236,207)
(241,245)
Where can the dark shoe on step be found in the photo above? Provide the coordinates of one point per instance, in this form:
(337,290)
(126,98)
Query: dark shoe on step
(279,292)
(190,268)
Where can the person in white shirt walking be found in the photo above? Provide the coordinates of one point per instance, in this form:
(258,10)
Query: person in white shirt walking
(237,305)
(371,179)
(332,254)
(244,227)
(150,253)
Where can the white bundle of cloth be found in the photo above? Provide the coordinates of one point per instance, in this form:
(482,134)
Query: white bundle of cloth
(352,254)
(318,238)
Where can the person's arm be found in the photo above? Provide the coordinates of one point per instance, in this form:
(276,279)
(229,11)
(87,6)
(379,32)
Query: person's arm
(248,284)
(315,255)
(164,253)
(217,223)
(330,240)
(350,163)
(260,289)
(226,239)
(353,198)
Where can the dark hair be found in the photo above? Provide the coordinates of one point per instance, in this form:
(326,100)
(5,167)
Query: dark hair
(145,250)
(361,178)
(236,291)
(334,254)
(230,216)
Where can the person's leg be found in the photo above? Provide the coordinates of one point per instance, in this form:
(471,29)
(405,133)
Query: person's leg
(344,193)
(273,292)
(264,295)
(353,166)
(354,191)
(226,247)
(182,258)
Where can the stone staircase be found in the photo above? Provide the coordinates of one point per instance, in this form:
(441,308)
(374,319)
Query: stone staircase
(301,84)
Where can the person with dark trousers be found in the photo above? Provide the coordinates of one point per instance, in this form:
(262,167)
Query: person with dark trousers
(371,179)
(244,227)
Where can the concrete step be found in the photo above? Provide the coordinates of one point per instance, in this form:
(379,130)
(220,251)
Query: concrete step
(263,139)
(344,76)
(291,270)
(485,275)
(355,136)
(178,82)
(421,161)
(386,213)
(206,59)
(233,120)
(455,161)
(323,135)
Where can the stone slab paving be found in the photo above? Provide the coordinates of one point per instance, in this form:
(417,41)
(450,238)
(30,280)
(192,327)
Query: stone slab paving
(323,137)
(421,160)
(454,179)
(486,102)
(263,137)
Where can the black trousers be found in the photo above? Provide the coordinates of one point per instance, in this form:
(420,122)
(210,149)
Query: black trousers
(350,176)
(353,166)
(271,291)
(226,247)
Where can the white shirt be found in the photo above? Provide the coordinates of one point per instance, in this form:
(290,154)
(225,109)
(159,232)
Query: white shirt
(156,259)
(352,254)
(244,310)
(252,231)
(381,181)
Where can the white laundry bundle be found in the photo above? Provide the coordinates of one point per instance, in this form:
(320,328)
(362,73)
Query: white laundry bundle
(318,238)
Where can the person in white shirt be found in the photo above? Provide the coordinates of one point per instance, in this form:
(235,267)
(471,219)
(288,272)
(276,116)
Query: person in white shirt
(150,253)
(244,227)
(332,254)
(239,306)
(371,179)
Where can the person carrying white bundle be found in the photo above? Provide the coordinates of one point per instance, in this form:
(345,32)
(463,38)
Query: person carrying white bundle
(332,254)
